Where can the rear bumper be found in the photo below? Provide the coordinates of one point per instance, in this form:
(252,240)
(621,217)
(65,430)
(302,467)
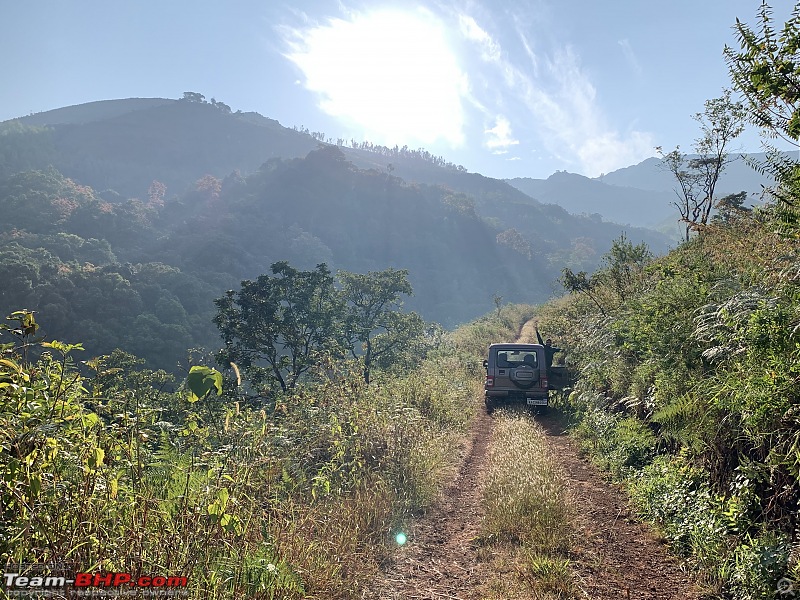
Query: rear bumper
(516,395)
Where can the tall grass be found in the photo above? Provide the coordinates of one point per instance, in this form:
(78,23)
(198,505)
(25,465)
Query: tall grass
(528,508)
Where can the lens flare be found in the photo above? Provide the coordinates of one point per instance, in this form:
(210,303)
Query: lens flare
(400,538)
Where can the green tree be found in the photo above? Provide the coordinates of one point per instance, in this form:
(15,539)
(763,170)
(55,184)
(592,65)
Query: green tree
(766,71)
(375,325)
(621,268)
(730,207)
(623,263)
(721,122)
(581,283)
(193,97)
(277,327)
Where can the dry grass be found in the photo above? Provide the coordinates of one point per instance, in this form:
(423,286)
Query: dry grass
(530,514)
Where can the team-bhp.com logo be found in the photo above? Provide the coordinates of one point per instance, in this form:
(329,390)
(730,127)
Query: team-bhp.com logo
(28,581)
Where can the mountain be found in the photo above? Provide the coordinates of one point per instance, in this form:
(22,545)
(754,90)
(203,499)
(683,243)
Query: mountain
(579,194)
(120,147)
(649,175)
(92,111)
(143,275)
(125,146)
(125,219)
(641,195)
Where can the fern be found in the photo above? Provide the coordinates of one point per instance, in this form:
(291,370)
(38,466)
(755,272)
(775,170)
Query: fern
(683,421)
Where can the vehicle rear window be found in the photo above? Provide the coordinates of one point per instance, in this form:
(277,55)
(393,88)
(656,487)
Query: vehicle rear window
(511,359)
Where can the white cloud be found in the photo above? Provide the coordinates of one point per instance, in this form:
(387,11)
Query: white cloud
(559,97)
(490,49)
(580,126)
(630,57)
(499,137)
(608,151)
(563,103)
(389,72)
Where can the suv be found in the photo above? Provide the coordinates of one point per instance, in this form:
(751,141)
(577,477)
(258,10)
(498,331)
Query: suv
(520,372)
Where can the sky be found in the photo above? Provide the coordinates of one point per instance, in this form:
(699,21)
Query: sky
(505,88)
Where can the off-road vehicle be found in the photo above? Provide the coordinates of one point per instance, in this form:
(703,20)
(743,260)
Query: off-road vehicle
(521,373)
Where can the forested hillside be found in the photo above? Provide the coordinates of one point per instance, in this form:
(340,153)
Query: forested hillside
(125,219)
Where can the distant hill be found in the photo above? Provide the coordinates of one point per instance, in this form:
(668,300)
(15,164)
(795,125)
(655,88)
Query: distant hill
(579,194)
(92,111)
(125,219)
(124,145)
(640,195)
(142,275)
(648,175)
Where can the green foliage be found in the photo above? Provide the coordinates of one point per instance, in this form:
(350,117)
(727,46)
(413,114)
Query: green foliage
(688,393)
(620,445)
(717,532)
(759,563)
(284,322)
(677,497)
(623,264)
(765,71)
(620,272)
(201,381)
(289,322)
(109,470)
(373,320)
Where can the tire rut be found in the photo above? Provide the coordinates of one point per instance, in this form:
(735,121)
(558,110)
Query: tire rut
(440,560)
(614,556)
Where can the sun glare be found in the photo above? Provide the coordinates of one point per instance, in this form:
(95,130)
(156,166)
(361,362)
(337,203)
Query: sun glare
(390,73)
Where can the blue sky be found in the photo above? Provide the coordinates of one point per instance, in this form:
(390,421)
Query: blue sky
(506,88)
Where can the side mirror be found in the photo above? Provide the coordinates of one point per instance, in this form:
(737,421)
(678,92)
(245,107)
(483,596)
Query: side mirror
(485,364)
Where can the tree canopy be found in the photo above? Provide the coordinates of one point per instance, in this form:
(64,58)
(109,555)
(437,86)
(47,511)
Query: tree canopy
(277,327)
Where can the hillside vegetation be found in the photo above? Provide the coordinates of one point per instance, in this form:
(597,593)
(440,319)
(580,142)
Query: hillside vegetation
(298,493)
(690,363)
(142,273)
(689,395)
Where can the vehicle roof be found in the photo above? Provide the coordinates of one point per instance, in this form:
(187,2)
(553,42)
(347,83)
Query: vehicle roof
(514,346)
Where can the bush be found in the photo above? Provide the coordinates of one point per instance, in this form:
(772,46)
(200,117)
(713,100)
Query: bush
(758,564)
(616,443)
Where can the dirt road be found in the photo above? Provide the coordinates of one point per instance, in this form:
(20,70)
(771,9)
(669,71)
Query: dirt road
(613,556)
(440,559)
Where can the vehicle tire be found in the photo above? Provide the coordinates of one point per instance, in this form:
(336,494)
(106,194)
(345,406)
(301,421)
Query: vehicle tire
(489,405)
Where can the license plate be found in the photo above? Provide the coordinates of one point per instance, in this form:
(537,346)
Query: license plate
(537,401)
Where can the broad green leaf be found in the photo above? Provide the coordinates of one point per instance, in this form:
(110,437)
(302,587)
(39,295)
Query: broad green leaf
(201,381)
(96,457)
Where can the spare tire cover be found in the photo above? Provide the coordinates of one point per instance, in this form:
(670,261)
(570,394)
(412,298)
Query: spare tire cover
(523,376)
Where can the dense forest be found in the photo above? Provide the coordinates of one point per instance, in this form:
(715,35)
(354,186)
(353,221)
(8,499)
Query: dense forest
(142,275)
(141,272)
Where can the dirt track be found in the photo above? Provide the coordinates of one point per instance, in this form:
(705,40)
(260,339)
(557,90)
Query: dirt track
(613,557)
(440,559)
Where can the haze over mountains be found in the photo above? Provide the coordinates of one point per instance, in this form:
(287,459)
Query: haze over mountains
(117,201)
(639,195)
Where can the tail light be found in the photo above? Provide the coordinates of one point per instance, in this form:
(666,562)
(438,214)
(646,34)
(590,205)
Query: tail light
(489,381)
